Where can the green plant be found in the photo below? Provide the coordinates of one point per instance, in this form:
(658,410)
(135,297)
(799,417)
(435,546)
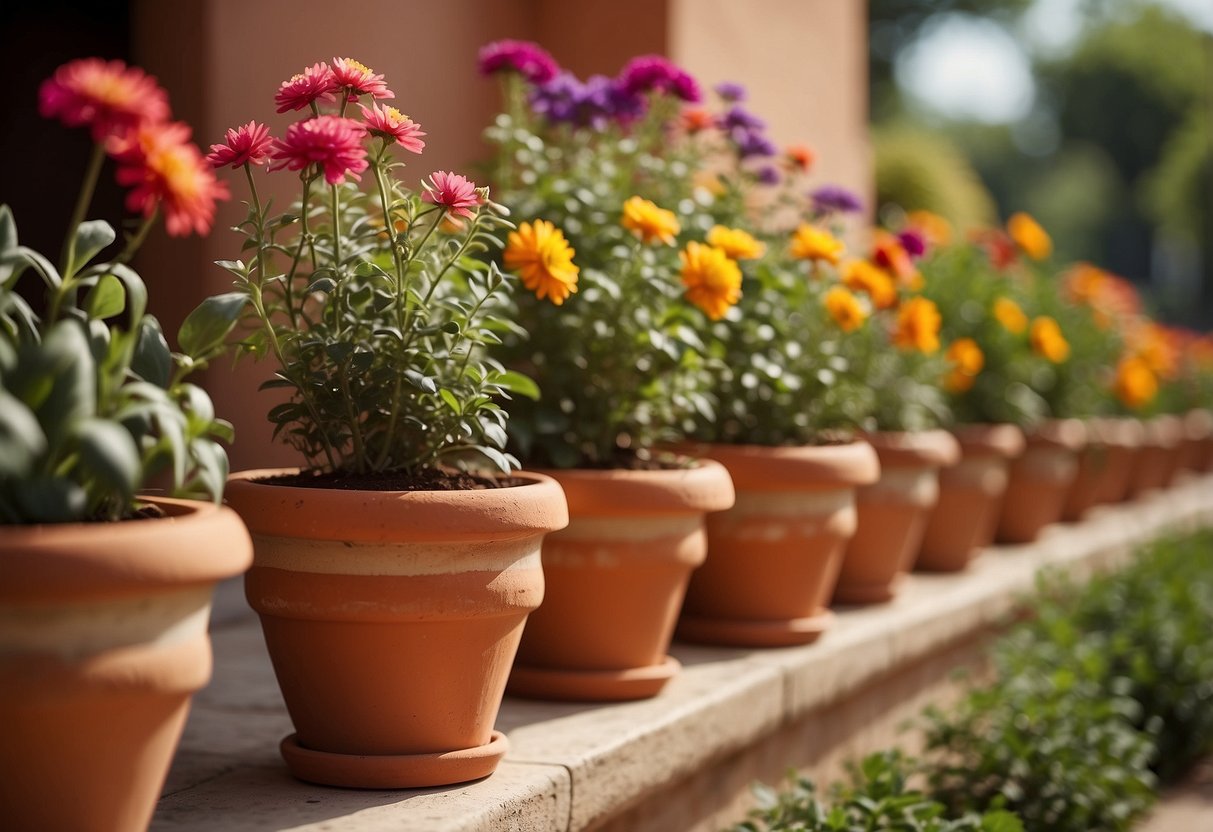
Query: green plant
(877,799)
(373,304)
(93,404)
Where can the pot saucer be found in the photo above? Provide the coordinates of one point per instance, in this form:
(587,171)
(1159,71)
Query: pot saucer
(393,771)
(591,685)
(741,633)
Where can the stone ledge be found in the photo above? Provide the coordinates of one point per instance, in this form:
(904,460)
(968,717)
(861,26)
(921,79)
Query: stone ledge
(576,766)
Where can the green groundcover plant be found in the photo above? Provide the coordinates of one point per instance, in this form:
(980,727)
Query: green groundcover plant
(93,404)
(371,301)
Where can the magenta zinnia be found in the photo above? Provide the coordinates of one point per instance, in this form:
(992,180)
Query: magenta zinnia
(315,83)
(359,79)
(165,170)
(528,59)
(248,144)
(653,73)
(457,194)
(108,97)
(332,143)
(393,125)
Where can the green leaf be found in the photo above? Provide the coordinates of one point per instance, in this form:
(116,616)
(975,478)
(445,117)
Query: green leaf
(136,290)
(109,454)
(236,267)
(451,401)
(91,237)
(516,382)
(106,299)
(21,438)
(206,328)
(8,230)
(152,361)
(51,500)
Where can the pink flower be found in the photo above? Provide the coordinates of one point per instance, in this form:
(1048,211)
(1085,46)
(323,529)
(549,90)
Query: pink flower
(315,83)
(248,144)
(165,170)
(332,142)
(456,193)
(390,123)
(359,79)
(109,97)
(528,59)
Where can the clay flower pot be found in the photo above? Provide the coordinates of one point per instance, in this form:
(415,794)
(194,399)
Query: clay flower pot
(1155,464)
(774,557)
(1104,465)
(970,496)
(391,619)
(615,579)
(103,639)
(893,513)
(1197,451)
(1040,480)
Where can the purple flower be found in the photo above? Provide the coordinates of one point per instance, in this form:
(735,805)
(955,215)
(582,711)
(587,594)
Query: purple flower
(731,92)
(528,59)
(752,143)
(833,198)
(653,73)
(565,99)
(739,118)
(767,175)
(913,242)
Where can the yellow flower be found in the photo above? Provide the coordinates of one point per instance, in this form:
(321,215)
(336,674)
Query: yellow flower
(650,222)
(542,257)
(935,228)
(1150,342)
(1008,313)
(812,243)
(918,325)
(1135,385)
(736,243)
(1048,341)
(1033,240)
(845,309)
(875,282)
(713,280)
(967,361)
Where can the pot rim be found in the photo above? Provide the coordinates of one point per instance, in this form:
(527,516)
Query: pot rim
(536,506)
(1063,434)
(196,543)
(792,467)
(1003,439)
(612,492)
(936,448)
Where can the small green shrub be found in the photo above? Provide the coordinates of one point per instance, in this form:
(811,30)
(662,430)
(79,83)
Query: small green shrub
(877,799)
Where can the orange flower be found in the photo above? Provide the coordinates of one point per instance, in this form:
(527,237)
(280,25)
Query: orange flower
(997,245)
(1135,385)
(650,222)
(863,276)
(1027,233)
(845,309)
(918,323)
(1008,313)
(736,243)
(967,361)
(800,157)
(936,229)
(711,278)
(1154,345)
(1047,340)
(696,120)
(543,259)
(891,255)
(812,243)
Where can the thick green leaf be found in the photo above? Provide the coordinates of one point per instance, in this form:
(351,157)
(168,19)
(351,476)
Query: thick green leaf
(21,438)
(91,237)
(206,328)
(451,401)
(51,500)
(8,230)
(136,290)
(110,455)
(518,383)
(106,299)
(152,361)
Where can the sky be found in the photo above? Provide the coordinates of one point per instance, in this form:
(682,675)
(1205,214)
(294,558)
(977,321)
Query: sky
(967,67)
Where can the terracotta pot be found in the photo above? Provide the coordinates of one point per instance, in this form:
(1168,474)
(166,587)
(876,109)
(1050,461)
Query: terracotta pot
(1155,464)
(392,618)
(1104,465)
(103,639)
(616,578)
(970,495)
(893,513)
(774,557)
(1040,480)
(1197,451)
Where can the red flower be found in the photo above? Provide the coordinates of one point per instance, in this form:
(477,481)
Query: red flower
(389,123)
(109,97)
(164,169)
(315,83)
(331,142)
(456,193)
(249,144)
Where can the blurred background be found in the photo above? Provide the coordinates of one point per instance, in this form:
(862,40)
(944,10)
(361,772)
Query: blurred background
(1095,116)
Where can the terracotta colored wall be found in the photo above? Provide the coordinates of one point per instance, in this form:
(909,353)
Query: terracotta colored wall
(804,61)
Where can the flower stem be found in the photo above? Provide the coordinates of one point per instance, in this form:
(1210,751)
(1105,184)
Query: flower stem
(67,265)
